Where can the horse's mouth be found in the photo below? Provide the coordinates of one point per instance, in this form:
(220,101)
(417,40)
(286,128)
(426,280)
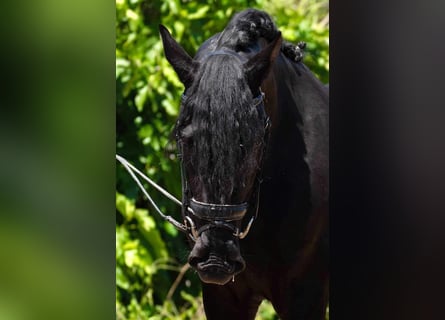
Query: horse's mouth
(217,271)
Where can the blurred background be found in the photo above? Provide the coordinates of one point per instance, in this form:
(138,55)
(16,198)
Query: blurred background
(153,280)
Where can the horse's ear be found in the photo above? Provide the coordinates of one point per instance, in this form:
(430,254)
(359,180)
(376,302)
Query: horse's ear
(183,64)
(258,67)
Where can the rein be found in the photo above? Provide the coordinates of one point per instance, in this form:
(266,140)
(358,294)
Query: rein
(132,170)
(215,215)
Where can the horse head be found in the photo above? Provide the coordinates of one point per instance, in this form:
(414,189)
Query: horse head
(221,134)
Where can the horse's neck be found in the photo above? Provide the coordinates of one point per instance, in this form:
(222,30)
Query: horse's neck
(287,148)
(296,169)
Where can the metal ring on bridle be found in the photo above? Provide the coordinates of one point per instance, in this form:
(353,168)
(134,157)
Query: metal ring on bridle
(193,232)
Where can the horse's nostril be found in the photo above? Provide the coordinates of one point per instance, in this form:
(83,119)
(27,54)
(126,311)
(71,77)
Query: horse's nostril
(240,266)
(193,261)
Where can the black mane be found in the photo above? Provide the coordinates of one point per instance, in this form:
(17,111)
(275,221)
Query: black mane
(218,120)
(220,124)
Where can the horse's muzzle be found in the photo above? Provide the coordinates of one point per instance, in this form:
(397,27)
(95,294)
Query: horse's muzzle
(218,271)
(216,265)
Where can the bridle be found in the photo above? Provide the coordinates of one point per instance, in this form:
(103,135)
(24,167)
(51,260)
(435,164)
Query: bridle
(223,216)
(213,215)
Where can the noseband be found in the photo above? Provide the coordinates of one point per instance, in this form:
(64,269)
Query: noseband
(222,215)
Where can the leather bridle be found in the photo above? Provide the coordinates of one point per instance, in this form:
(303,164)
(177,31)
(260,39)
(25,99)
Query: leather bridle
(224,216)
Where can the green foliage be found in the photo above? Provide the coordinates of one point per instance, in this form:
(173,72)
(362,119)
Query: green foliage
(153,281)
(304,20)
(266,311)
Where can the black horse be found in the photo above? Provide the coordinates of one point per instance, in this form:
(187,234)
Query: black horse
(253,115)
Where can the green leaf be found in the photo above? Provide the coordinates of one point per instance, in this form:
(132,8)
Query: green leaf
(130,257)
(150,232)
(121,279)
(169,107)
(141,97)
(199,14)
(125,206)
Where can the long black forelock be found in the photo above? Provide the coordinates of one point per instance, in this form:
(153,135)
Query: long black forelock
(223,124)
